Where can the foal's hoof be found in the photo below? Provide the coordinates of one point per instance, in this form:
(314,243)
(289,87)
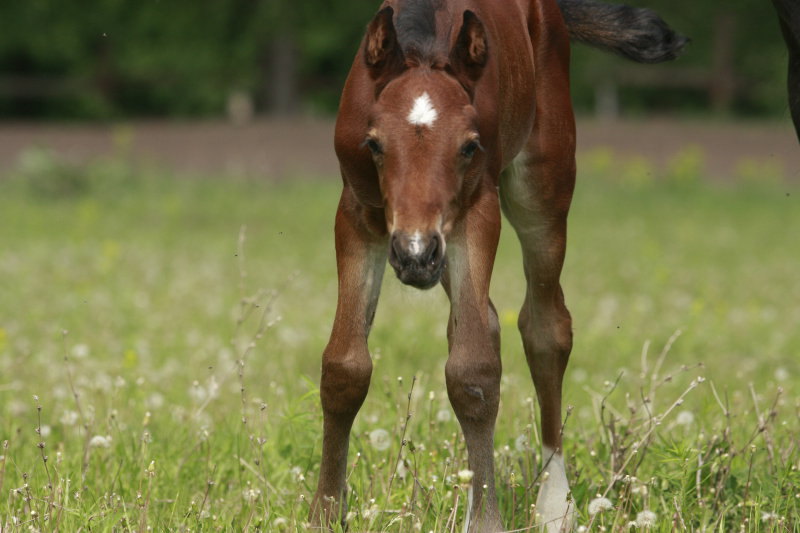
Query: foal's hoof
(324,514)
(553,504)
(557,516)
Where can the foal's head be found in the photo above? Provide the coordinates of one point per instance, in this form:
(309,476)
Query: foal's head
(424,139)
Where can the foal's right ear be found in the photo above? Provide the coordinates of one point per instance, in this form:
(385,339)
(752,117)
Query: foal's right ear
(471,51)
(382,51)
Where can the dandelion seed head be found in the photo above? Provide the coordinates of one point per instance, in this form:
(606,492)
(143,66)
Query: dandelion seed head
(465,476)
(598,505)
(380,439)
(781,374)
(155,401)
(251,495)
(79,351)
(646,519)
(685,418)
(402,470)
(99,441)
(197,392)
(443,415)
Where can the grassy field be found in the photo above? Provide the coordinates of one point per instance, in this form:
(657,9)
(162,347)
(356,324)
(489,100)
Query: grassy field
(160,339)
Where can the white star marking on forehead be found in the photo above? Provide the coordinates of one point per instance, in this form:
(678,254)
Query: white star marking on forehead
(423,113)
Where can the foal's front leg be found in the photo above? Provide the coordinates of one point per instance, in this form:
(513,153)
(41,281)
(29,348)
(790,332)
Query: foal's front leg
(473,368)
(346,363)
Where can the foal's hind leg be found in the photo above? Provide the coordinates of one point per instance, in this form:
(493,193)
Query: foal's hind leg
(473,368)
(536,194)
(346,363)
(535,200)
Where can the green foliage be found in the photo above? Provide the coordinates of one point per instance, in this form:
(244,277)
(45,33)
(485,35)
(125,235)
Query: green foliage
(193,347)
(165,58)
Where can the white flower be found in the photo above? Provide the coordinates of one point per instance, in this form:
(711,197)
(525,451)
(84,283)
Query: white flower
(380,439)
(44,431)
(685,418)
(598,505)
(99,441)
(465,476)
(646,519)
(297,473)
(521,443)
(443,415)
(251,495)
(769,516)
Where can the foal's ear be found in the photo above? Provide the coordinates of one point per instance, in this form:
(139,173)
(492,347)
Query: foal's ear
(471,51)
(382,51)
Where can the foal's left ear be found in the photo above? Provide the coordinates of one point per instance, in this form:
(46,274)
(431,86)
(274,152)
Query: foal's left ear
(471,51)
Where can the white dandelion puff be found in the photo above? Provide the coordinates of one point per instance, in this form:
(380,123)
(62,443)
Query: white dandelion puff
(99,441)
(598,505)
(443,415)
(380,439)
(79,351)
(465,476)
(251,495)
(646,519)
(402,470)
(155,400)
(685,418)
(197,392)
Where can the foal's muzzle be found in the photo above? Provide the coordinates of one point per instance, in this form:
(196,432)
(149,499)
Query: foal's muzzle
(417,259)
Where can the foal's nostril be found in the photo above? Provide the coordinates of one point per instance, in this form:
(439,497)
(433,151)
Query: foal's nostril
(395,250)
(431,254)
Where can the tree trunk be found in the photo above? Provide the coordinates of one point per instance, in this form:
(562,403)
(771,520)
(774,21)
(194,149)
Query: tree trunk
(723,80)
(281,75)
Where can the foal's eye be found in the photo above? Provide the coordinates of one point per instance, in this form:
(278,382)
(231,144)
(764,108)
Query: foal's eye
(374,146)
(469,149)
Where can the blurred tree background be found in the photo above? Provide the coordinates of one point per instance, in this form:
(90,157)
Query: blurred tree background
(109,59)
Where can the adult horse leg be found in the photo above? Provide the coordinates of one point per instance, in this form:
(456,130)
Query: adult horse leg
(473,368)
(346,363)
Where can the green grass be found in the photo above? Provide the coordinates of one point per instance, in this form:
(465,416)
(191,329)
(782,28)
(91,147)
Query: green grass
(129,298)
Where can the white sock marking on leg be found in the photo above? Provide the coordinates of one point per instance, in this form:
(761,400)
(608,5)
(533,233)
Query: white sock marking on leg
(552,504)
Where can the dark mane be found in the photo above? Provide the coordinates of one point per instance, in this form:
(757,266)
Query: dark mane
(416,28)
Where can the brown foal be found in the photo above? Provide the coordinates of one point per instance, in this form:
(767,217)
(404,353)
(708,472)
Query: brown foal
(447,103)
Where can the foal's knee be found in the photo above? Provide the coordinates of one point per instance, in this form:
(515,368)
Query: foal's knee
(345,382)
(473,385)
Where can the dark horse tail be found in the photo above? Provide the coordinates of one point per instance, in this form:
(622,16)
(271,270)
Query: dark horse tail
(638,34)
